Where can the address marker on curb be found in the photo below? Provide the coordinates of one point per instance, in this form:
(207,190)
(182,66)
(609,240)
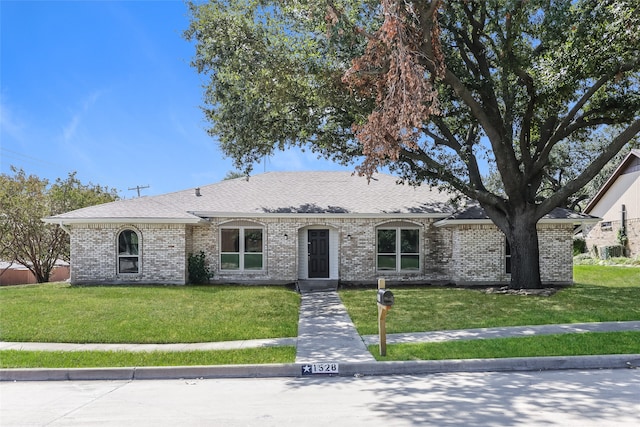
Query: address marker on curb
(320,369)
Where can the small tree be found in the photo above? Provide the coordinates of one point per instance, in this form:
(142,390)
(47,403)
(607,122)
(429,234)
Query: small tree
(24,201)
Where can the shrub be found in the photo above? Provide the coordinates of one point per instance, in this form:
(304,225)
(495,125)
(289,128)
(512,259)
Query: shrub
(607,252)
(198,270)
(579,246)
(584,259)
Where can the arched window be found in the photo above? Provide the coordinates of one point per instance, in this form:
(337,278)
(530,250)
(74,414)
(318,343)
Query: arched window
(128,252)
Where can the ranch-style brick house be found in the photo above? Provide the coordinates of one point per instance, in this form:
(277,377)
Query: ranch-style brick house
(314,229)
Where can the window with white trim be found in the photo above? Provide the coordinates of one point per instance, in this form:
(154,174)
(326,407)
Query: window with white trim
(398,249)
(507,257)
(241,248)
(128,252)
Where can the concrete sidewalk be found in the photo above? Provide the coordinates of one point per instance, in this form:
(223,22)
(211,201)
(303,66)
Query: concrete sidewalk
(504,332)
(312,336)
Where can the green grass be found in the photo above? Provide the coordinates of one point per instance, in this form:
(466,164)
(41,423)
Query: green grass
(599,294)
(92,359)
(146,314)
(609,276)
(546,345)
(173,314)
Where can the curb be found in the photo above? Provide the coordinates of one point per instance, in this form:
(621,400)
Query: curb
(347,369)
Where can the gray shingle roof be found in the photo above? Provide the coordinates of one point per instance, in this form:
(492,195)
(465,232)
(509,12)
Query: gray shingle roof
(276,193)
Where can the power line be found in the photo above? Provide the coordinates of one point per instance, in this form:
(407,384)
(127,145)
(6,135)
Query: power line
(138,188)
(12,154)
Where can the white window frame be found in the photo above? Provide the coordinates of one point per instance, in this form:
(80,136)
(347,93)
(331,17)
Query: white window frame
(507,257)
(398,250)
(120,256)
(242,252)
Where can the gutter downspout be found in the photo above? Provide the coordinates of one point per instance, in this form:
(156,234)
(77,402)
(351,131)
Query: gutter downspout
(64,228)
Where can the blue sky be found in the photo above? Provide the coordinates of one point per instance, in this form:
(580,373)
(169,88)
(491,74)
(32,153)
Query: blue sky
(104,88)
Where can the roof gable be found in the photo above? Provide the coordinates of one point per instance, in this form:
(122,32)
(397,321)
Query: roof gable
(630,164)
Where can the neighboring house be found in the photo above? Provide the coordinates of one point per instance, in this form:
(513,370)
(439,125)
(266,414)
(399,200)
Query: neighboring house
(13,273)
(309,228)
(618,204)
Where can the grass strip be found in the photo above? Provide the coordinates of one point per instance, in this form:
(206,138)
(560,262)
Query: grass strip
(95,359)
(590,343)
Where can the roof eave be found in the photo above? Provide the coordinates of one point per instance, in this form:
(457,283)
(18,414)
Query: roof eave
(573,221)
(317,215)
(122,220)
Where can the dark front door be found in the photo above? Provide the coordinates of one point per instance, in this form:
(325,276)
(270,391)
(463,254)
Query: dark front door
(318,254)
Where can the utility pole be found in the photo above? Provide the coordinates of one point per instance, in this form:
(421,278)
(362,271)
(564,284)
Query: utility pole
(138,188)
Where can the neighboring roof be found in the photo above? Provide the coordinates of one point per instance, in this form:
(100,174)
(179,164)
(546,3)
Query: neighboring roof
(631,163)
(276,194)
(475,214)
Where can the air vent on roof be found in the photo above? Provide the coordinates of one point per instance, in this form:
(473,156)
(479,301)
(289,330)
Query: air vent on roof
(198,192)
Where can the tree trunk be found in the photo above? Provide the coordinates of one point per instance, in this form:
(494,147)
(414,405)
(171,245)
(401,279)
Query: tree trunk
(525,254)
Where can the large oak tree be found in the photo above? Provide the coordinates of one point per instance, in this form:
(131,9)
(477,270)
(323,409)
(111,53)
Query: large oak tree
(431,90)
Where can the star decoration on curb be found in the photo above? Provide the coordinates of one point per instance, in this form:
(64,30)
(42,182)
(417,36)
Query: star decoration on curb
(306,369)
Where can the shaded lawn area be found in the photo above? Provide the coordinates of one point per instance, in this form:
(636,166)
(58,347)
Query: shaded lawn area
(600,293)
(146,314)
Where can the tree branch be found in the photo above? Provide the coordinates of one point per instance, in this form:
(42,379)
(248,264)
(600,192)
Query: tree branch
(591,171)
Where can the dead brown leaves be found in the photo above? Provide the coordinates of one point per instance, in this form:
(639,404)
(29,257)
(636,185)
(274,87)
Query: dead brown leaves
(397,70)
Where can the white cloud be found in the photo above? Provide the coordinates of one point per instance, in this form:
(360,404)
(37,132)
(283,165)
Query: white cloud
(10,125)
(69,131)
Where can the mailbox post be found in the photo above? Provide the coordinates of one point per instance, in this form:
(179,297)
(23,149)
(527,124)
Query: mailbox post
(385,301)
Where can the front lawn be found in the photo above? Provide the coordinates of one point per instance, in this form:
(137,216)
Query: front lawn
(599,294)
(174,314)
(146,314)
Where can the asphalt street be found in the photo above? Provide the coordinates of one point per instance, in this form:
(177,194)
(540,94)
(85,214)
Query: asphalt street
(548,398)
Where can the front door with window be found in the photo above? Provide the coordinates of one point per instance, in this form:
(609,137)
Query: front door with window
(318,254)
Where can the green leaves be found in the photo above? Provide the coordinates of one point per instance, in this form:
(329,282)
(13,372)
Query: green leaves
(273,80)
(24,201)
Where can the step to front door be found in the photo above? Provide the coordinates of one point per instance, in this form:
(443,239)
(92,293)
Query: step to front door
(317,285)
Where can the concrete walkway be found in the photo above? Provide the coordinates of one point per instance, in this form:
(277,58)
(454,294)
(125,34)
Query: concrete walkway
(326,332)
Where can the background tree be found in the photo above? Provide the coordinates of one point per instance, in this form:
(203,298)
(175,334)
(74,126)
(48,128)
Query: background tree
(24,201)
(567,165)
(234,175)
(432,90)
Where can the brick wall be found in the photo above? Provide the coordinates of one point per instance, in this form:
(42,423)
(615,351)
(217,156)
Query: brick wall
(94,250)
(479,254)
(556,253)
(598,236)
(463,254)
